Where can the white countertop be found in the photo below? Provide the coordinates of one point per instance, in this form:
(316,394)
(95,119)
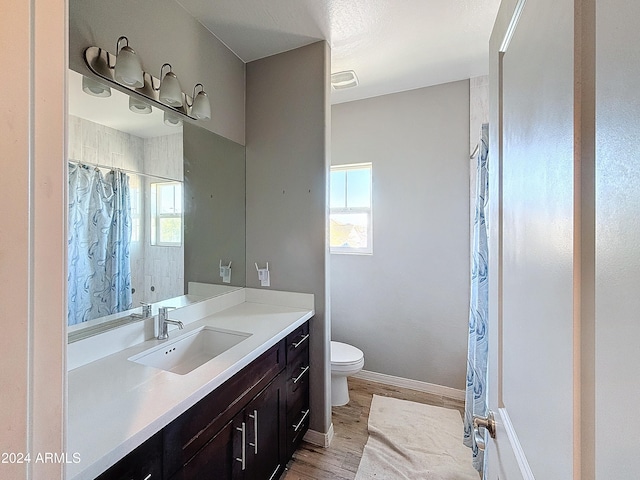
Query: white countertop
(115,404)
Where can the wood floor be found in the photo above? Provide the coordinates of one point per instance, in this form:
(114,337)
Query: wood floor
(340,461)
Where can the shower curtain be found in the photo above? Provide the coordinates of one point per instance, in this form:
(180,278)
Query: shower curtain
(99,236)
(476,390)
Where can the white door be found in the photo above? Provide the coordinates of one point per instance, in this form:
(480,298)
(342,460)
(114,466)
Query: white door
(532,261)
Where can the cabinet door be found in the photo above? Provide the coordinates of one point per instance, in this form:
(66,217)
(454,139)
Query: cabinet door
(265,420)
(217,460)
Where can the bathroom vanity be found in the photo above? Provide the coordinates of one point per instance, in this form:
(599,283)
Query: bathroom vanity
(239,415)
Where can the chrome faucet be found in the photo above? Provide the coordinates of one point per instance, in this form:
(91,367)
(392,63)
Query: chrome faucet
(161,325)
(146,311)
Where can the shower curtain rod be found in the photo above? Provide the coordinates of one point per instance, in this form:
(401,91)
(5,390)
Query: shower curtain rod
(132,172)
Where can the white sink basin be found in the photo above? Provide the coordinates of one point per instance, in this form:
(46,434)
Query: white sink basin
(187,352)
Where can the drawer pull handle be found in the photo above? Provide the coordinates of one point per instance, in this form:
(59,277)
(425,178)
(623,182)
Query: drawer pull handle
(243,459)
(300,342)
(304,370)
(147,477)
(273,475)
(297,426)
(255,431)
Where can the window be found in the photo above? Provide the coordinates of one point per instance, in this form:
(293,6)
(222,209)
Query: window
(350,209)
(166,214)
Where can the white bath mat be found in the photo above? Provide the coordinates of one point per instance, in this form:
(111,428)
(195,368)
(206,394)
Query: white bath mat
(409,440)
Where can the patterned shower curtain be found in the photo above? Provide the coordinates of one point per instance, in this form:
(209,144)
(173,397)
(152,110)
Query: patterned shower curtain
(476,391)
(99,235)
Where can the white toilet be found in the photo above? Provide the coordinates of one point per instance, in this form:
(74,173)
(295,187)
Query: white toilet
(346,360)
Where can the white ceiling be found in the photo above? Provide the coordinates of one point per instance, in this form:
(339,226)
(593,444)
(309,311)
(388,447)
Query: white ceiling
(392,45)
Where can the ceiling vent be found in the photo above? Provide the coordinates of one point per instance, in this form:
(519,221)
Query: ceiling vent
(342,80)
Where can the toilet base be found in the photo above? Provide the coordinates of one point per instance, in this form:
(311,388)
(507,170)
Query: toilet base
(339,391)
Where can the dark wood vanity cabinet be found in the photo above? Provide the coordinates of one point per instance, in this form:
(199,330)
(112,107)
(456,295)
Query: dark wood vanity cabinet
(143,463)
(297,422)
(250,446)
(246,429)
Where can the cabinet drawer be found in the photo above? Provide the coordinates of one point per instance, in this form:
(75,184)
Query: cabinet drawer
(297,341)
(190,432)
(297,425)
(143,463)
(298,374)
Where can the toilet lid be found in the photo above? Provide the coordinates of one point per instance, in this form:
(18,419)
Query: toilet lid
(344,354)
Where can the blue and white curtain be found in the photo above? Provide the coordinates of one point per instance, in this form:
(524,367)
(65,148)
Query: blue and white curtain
(476,391)
(99,236)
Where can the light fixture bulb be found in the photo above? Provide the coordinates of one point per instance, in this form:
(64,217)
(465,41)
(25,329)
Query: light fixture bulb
(138,106)
(95,88)
(170,90)
(172,120)
(201,108)
(128,69)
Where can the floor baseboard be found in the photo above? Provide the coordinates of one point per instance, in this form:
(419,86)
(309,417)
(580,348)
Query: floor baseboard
(318,438)
(432,388)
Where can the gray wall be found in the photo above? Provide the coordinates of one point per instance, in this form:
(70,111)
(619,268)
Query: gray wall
(162,31)
(287,122)
(406,306)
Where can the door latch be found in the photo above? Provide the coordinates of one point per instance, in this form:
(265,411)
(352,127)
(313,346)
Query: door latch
(488,423)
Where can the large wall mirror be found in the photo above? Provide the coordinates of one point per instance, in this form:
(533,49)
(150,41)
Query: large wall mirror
(154,205)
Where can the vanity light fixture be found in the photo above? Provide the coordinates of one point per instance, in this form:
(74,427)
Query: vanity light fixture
(95,88)
(170,90)
(128,68)
(125,70)
(138,106)
(172,120)
(201,108)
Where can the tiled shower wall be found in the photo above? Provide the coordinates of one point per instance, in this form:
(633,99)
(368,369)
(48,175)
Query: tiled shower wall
(157,272)
(163,266)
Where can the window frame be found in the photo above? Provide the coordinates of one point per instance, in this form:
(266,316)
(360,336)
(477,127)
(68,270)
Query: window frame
(340,250)
(156,215)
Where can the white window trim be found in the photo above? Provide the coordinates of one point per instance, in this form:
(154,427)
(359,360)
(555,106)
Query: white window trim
(156,216)
(342,210)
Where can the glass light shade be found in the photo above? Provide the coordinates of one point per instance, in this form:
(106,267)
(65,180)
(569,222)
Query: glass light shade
(138,106)
(95,88)
(172,120)
(170,90)
(201,108)
(128,70)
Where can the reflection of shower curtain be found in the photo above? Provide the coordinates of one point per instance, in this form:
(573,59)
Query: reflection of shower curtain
(99,234)
(476,392)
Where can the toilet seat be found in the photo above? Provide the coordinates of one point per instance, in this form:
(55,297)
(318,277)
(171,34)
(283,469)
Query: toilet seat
(345,357)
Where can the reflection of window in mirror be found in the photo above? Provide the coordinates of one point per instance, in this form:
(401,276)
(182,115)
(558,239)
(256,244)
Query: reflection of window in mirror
(166,214)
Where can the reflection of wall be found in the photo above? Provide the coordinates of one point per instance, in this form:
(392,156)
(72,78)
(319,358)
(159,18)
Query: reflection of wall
(93,144)
(152,267)
(163,266)
(214,220)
